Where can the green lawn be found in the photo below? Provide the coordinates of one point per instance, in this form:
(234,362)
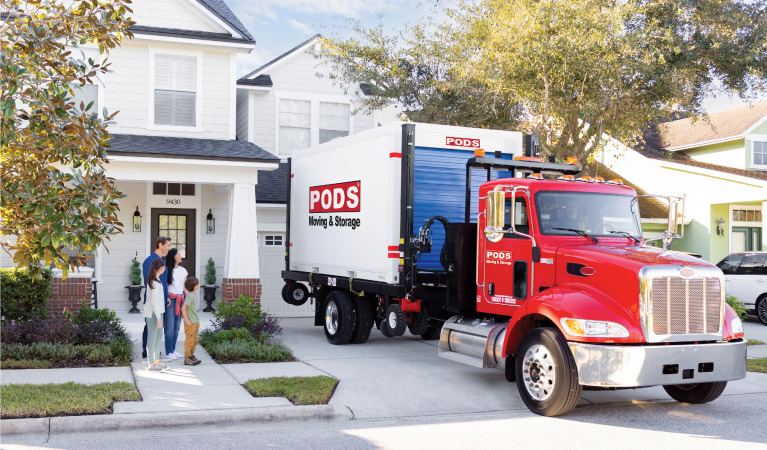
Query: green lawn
(68,399)
(754,342)
(757,365)
(299,390)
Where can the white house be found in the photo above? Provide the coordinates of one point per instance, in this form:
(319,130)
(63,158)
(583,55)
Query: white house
(174,150)
(290,104)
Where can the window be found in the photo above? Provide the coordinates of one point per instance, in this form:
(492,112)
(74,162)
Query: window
(173,189)
(730,264)
(747,215)
(759,153)
(752,265)
(86,94)
(273,240)
(174,227)
(175,90)
(334,121)
(295,125)
(520,220)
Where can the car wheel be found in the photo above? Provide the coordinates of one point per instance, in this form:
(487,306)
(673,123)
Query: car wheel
(761,310)
(339,318)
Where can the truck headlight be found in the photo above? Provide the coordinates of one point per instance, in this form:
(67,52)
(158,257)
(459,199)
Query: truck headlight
(736,326)
(593,328)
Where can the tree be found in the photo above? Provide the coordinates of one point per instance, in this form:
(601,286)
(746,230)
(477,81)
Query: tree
(55,192)
(581,68)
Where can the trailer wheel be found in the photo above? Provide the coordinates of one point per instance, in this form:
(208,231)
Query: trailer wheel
(339,318)
(395,321)
(419,322)
(433,331)
(295,294)
(696,393)
(364,319)
(547,377)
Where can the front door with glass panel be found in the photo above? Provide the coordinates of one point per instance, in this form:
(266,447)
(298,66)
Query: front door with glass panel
(746,239)
(179,226)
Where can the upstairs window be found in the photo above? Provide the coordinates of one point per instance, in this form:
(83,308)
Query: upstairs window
(295,125)
(759,153)
(334,120)
(175,90)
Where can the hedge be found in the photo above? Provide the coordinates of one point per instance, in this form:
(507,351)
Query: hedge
(22,296)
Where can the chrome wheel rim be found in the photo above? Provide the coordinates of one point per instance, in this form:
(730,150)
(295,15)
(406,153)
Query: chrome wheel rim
(761,310)
(331,318)
(298,294)
(538,372)
(393,320)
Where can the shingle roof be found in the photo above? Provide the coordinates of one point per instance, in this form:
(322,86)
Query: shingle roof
(175,147)
(272,186)
(244,78)
(720,126)
(649,208)
(261,80)
(219,8)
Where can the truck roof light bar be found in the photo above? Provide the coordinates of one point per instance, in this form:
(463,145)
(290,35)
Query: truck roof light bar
(599,179)
(479,153)
(566,178)
(616,181)
(535,176)
(572,160)
(585,179)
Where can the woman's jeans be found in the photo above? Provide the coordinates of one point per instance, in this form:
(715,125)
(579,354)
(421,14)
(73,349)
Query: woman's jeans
(172,325)
(153,339)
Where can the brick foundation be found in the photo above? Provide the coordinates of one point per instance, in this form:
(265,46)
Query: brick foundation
(69,294)
(232,288)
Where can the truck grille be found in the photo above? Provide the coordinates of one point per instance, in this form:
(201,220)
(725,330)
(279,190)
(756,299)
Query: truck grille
(679,306)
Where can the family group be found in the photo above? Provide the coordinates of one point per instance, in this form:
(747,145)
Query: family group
(169,298)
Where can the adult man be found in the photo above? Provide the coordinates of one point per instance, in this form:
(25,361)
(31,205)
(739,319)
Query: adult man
(161,248)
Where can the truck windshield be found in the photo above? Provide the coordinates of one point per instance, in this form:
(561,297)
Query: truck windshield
(593,213)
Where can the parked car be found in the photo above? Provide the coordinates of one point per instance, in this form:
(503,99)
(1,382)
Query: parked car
(745,278)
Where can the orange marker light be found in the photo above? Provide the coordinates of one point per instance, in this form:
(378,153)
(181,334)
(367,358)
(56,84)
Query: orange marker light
(566,178)
(586,179)
(599,180)
(617,181)
(572,160)
(575,327)
(535,176)
(479,153)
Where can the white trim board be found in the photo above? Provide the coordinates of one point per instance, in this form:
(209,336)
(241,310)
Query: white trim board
(284,58)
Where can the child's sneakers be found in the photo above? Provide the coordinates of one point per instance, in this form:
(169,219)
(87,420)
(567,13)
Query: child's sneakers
(155,368)
(191,361)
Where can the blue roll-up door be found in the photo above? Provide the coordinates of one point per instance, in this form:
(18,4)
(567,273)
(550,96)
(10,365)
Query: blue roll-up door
(440,190)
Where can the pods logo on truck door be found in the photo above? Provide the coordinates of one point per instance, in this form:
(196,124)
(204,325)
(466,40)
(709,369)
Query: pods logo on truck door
(462,142)
(332,198)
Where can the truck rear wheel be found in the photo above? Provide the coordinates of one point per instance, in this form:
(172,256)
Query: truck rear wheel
(339,318)
(295,294)
(419,322)
(547,377)
(433,331)
(394,321)
(364,319)
(696,393)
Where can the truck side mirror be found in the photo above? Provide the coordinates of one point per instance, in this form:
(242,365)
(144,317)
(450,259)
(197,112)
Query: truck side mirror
(674,206)
(496,218)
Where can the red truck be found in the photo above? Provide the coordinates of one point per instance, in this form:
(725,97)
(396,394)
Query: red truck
(540,274)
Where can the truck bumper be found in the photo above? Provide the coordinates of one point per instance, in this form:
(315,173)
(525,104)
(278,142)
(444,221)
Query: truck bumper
(652,365)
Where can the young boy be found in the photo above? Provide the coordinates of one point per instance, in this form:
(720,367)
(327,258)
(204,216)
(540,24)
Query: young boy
(191,321)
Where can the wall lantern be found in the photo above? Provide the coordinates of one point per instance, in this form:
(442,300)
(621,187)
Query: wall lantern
(720,227)
(211,223)
(137,221)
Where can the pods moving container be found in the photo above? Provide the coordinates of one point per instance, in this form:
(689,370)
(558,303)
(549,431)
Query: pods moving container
(349,198)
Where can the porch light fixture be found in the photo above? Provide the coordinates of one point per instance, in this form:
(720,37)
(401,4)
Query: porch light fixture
(211,222)
(137,221)
(720,227)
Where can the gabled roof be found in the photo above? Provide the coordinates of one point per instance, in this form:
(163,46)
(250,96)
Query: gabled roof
(722,126)
(219,8)
(175,147)
(295,50)
(261,80)
(649,208)
(272,186)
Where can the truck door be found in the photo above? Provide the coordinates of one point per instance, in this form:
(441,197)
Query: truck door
(507,264)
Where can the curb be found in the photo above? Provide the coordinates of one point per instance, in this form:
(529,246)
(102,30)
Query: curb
(121,422)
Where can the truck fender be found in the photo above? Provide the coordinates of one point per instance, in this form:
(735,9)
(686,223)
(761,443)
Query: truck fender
(572,301)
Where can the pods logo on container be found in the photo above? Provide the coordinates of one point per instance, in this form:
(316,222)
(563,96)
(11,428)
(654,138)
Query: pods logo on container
(462,142)
(333,198)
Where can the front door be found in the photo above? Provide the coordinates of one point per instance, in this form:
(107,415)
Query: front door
(746,239)
(179,226)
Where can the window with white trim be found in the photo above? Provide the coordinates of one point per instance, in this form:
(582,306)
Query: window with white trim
(759,153)
(175,90)
(273,240)
(295,125)
(334,120)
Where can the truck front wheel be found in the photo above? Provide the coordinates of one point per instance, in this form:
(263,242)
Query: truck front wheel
(547,377)
(339,318)
(696,393)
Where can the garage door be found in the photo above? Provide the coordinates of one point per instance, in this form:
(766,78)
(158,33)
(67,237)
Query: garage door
(271,258)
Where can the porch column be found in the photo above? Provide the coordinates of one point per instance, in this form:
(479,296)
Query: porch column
(241,268)
(764,225)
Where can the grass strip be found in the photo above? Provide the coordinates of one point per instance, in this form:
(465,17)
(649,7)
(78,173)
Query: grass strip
(68,399)
(25,364)
(754,342)
(756,365)
(299,390)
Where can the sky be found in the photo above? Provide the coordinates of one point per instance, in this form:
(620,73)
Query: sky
(280,25)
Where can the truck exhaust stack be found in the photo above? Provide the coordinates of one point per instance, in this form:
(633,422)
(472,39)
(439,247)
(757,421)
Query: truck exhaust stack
(478,343)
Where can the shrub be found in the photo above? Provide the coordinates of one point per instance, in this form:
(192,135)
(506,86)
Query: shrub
(135,273)
(249,351)
(57,329)
(121,348)
(97,326)
(737,305)
(23,296)
(243,307)
(210,272)
(61,355)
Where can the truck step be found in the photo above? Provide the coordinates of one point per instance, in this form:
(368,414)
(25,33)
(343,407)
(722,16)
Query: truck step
(464,359)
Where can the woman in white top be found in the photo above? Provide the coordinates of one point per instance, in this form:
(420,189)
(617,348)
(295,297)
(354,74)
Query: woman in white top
(153,311)
(176,278)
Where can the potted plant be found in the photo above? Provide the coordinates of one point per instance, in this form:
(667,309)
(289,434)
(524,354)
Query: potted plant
(134,290)
(209,288)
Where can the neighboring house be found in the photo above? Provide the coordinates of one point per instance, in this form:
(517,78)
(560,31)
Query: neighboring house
(290,104)
(174,151)
(719,164)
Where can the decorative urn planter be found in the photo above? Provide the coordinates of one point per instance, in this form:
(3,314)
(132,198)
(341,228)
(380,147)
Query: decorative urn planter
(134,296)
(209,295)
